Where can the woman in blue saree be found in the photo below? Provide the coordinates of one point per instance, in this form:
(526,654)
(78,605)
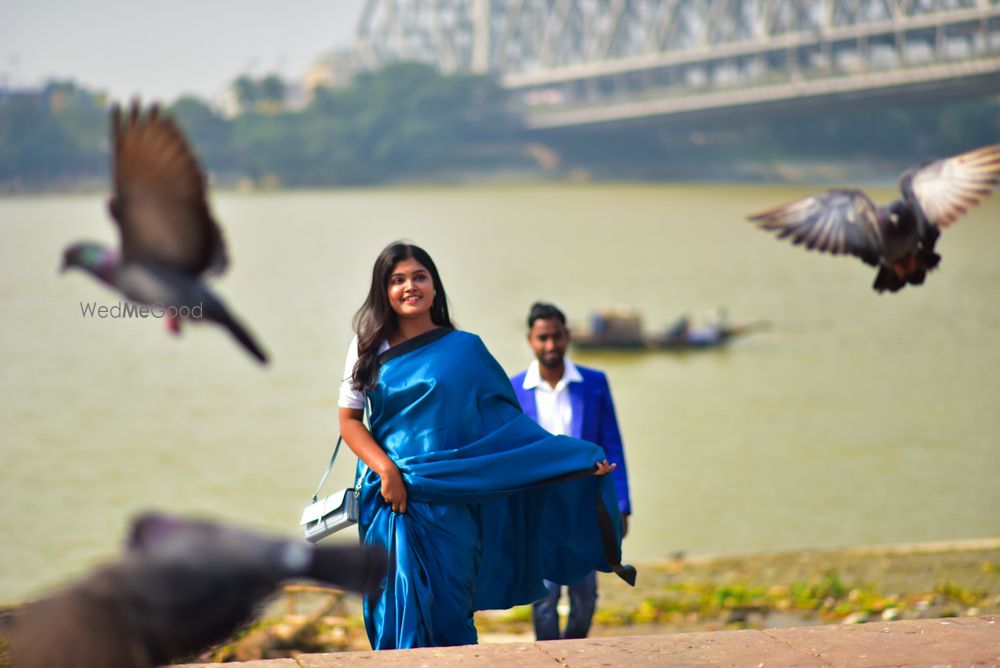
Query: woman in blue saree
(474,502)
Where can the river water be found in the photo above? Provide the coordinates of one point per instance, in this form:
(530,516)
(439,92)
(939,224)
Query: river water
(854,419)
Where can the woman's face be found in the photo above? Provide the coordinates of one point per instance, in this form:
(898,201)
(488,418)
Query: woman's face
(411,289)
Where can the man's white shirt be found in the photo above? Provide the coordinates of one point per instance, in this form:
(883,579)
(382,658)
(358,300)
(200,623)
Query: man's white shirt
(555,411)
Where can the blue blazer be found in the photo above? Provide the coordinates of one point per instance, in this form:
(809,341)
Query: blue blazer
(593,420)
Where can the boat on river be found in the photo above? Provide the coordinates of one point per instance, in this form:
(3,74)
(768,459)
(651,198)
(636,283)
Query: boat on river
(621,329)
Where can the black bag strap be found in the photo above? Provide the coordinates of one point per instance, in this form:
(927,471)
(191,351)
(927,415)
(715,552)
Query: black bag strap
(333,457)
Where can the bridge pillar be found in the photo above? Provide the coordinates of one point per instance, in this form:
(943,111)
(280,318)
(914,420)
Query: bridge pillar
(481,36)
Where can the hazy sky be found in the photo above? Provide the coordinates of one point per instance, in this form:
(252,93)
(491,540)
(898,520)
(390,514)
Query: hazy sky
(160,50)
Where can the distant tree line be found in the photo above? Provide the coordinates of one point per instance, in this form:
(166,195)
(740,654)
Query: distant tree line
(408,121)
(404,121)
(888,131)
(878,140)
(265,94)
(57,136)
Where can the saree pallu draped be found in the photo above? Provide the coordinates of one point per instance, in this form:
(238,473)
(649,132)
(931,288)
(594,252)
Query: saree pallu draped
(494,502)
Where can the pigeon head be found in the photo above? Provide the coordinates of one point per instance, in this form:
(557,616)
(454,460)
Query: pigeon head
(900,214)
(179,544)
(188,543)
(92,258)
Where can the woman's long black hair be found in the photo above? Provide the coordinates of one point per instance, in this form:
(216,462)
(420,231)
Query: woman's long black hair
(376,322)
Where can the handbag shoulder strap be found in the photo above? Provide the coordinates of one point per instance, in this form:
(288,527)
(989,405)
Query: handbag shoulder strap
(329,467)
(336,449)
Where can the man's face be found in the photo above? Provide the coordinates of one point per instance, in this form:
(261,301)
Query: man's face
(548,338)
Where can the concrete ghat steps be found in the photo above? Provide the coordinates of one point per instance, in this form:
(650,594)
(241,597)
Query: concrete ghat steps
(961,641)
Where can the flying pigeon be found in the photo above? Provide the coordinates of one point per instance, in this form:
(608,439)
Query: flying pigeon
(181,586)
(169,238)
(899,238)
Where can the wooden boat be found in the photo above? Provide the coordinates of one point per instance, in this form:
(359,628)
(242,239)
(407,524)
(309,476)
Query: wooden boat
(621,329)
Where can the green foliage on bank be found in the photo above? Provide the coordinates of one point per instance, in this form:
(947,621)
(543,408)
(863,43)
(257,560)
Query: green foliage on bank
(404,121)
(829,599)
(58,135)
(409,122)
(887,131)
(844,144)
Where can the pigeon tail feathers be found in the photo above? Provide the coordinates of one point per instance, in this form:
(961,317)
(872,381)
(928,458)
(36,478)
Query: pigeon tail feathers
(243,336)
(887,279)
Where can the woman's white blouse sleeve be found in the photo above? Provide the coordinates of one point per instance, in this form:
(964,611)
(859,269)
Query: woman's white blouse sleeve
(349,397)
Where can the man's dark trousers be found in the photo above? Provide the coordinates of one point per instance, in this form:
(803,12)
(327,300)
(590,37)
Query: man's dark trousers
(582,601)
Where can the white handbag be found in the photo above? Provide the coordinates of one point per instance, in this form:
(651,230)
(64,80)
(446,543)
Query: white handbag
(332,513)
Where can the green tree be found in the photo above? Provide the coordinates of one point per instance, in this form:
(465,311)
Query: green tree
(209,133)
(409,119)
(272,89)
(44,146)
(247,93)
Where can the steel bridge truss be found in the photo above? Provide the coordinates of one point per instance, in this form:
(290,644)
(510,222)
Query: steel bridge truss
(585,61)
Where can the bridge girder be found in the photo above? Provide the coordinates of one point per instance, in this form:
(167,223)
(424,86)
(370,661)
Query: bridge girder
(563,55)
(510,37)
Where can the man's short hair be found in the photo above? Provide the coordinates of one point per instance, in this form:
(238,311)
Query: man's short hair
(544,311)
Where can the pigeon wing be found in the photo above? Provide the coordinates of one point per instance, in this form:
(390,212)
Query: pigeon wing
(837,222)
(159,196)
(946,189)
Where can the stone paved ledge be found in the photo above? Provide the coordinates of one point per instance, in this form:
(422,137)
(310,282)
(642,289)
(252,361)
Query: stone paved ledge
(962,641)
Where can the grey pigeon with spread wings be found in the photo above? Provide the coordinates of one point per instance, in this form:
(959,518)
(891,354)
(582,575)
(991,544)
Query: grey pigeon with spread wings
(898,238)
(169,238)
(181,586)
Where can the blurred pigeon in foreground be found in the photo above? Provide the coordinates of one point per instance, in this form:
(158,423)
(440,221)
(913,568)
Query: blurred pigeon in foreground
(180,586)
(899,238)
(168,235)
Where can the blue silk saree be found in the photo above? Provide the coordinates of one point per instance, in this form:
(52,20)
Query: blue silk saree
(494,502)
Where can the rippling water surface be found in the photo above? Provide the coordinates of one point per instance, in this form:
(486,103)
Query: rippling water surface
(855,418)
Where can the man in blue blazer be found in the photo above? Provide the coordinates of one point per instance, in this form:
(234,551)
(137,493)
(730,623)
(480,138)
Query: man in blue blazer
(574,401)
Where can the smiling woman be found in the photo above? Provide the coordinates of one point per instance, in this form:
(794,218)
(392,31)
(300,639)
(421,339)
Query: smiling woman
(470,496)
(411,292)
(403,303)
(402,271)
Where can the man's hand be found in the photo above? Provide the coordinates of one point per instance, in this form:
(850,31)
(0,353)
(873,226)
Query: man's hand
(604,468)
